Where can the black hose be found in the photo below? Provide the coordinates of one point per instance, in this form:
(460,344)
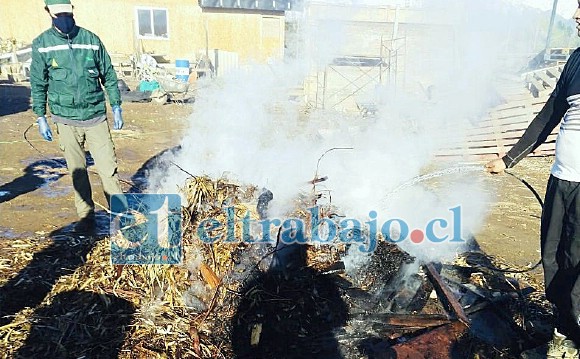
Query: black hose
(27,140)
(539,198)
(529,186)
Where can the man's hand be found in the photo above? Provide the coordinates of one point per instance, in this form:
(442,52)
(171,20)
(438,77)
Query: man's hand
(117,118)
(44,129)
(495,166)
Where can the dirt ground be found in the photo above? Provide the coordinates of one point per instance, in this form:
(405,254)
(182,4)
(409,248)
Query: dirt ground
(512,229)
(36,192)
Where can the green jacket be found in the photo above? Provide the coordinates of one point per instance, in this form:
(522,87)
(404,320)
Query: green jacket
(70,70)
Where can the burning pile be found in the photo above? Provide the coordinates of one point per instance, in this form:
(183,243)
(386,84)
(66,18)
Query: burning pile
(233,299)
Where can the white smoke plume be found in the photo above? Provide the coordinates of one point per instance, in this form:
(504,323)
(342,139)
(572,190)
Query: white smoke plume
(245,127)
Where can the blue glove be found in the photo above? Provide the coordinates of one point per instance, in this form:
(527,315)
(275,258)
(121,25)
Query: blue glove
(117,118)
(44,129)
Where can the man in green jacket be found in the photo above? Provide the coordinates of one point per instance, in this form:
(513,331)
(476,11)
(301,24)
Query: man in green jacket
(69,65)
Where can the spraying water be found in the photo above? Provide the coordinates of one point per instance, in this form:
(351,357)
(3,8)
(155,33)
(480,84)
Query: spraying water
(448,171)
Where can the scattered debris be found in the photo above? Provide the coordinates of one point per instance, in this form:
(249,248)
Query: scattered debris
(226,300)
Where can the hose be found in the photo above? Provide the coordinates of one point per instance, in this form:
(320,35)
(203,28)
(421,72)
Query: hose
(541,202)
(465,169)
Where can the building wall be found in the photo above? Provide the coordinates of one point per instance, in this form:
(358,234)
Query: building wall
(255,36)
(409,42)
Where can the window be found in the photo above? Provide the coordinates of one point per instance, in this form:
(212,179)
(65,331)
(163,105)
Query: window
(152,23)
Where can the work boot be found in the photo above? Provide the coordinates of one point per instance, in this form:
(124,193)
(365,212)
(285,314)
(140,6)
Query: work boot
(561,347)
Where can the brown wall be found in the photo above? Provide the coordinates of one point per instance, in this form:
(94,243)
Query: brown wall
(256,37)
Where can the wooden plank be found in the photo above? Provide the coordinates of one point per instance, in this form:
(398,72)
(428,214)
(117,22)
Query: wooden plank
(524,117)
(483,158)
(544,149)
(519,97)
(481,137)
(501,142)
(515,111)
(485,130)
(493,141)
(553,71)
(549,81)
(530,108)
(519,111)
(529,100)
(505,135)
(512,105)
(474,151)
(416,321)
(537,107)
(509,142)
(511,127)
(502,128)
(497,133)
(537,84)
(438,343)
(508,130)
(445,294)
(505,121)
(531,73)
(471,151)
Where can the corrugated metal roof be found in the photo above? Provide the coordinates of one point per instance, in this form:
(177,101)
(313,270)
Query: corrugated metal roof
(267,5)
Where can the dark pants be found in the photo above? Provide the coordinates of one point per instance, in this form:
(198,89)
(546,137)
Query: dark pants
(560,240)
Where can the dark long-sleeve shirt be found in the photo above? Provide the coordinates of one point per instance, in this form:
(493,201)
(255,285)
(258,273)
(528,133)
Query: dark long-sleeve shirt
(563,103)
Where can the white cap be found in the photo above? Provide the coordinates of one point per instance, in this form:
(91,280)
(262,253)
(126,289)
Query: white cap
(59,8)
